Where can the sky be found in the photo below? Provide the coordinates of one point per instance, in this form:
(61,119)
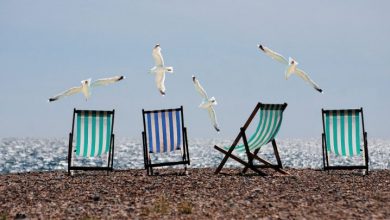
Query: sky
(48,46)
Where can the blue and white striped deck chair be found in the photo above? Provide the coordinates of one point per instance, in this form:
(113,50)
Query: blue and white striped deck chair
(344,135)
(91,136)
(164,132)
(270,120)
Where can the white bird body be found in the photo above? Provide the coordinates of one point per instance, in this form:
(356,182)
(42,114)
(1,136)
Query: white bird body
(159,69)
(291,67)
(85,87)
(207,103)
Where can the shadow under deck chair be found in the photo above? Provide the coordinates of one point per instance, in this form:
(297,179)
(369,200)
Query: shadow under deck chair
(164,132)
(91,136)
(342,136)
(270,120)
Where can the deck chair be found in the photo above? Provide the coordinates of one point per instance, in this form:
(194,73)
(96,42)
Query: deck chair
(342,136)
(270,120)
(164,132)
(91,136)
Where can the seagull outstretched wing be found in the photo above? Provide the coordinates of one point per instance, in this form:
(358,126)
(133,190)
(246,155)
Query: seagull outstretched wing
(158,59)
(106,81)
(68,92)
(305,77)
(213,118)
(160,81)
(274,55)
(199,88)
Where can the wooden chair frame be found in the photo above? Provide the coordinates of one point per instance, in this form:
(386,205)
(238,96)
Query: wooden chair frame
(252,156)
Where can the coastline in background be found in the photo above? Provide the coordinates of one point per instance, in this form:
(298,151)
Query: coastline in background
(40,154)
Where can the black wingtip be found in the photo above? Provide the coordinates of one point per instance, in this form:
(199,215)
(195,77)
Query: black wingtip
(193,78)
(217,129)
(121,77)
(52,99)
(261,47)
(319,90)
(162,93)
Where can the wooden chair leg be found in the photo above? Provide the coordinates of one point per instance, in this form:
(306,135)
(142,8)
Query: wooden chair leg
(225,158)
(270,165)
(276,152)
(232,156)
(246,168)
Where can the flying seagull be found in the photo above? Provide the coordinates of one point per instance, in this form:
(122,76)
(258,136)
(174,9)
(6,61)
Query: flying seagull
(86,86)
(291,66)
(159,69)
(207,102)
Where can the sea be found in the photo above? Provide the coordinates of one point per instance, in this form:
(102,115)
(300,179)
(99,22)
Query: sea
(19,155)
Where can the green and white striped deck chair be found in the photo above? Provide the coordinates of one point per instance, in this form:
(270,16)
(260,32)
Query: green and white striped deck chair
(270,120)
(91,136)
(344,135)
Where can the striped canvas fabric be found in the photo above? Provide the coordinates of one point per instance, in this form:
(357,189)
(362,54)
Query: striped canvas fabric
(342,132)
(270,119)
(93,133)
(164,130)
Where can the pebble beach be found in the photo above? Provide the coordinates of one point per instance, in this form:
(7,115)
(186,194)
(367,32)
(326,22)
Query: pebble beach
(131,194)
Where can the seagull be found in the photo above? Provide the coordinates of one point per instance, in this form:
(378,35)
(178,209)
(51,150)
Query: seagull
(207,103)
(86,86)
(159,69)
(291,66)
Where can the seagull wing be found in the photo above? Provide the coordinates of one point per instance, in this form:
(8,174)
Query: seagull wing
(106,81)
(213,118)
(274,55)
(68,92)
(160,80)
(199,88)
(158,59)
(305,77)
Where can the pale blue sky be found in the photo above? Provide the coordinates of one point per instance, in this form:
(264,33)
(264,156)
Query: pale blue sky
(48,46)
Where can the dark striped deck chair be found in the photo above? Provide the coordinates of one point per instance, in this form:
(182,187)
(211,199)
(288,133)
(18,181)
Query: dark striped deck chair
(164,132)
(270,120)
(344,135)
(91,138)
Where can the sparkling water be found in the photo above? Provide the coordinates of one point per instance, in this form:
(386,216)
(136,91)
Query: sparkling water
(41,154)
